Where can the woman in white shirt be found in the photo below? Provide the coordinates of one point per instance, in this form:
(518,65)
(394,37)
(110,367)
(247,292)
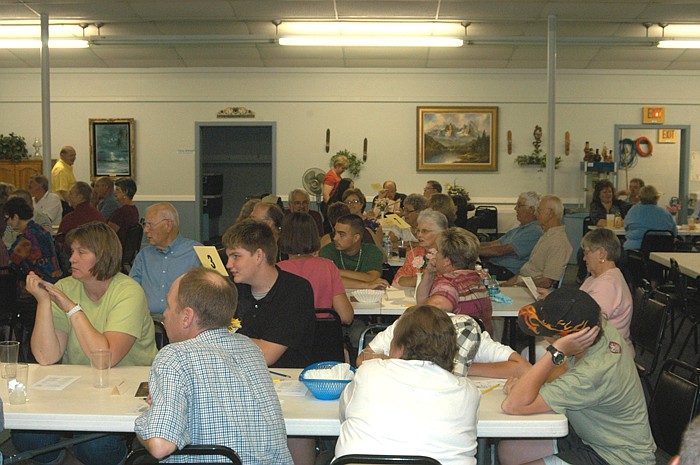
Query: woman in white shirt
(411,403)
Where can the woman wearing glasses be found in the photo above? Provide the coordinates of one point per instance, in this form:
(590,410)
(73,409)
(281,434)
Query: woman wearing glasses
(95,308)
(430,224)
(356,202)
(33,249)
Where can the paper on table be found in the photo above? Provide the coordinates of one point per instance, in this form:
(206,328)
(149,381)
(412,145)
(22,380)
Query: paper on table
(531,286)
(54,383)
(290,387)
(395,220)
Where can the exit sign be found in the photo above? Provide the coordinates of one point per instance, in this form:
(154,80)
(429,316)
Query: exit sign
(653,115)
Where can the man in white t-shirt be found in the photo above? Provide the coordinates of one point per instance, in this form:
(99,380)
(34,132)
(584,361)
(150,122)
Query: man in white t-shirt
(478,355)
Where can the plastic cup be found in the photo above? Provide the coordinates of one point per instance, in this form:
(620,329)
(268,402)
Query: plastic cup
(101,362)
(9,350)
(691,224)
(610,220)
(402,249)
(17,377)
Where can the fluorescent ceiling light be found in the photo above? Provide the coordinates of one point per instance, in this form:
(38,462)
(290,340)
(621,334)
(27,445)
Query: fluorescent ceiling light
(682,30)
(679,44)
(371,34)
(34,32)
(372,41)
(371,28)
(34,43)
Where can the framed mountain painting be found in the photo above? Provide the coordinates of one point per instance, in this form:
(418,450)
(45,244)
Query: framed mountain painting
(457,138)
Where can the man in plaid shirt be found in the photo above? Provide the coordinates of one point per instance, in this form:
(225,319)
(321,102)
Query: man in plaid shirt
(210,386)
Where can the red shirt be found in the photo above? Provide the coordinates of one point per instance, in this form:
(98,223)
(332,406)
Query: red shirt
(331,179)
(81,214)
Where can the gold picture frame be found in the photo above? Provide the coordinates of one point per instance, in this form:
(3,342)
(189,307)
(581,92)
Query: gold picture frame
(112,148)
(457,138)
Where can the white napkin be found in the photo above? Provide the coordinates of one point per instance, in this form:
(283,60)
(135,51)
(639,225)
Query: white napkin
(338,372)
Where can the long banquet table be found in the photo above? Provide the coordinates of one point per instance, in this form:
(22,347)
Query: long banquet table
(688,262)
(395,302)
(81,407)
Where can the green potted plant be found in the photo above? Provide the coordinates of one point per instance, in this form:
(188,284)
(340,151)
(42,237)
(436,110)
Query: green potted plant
(537,157)
(354,163)
(13,147)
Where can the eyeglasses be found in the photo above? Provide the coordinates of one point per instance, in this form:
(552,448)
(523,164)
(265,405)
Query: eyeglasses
(353,202)
(519,205)
(424,231)
(407,211)
(150,225)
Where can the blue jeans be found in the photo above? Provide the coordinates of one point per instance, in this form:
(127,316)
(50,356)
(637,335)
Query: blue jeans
(107,450)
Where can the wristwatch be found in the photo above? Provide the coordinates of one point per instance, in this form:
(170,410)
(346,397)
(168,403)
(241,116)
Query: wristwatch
(558,356)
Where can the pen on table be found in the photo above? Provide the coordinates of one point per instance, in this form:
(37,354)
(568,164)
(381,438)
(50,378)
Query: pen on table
(279,374)
(489,389)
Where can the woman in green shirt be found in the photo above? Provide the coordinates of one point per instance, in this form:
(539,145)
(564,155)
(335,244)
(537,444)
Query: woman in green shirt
(96,308)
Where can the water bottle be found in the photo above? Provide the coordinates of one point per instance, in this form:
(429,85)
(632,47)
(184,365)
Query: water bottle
(386,245)
(493,287)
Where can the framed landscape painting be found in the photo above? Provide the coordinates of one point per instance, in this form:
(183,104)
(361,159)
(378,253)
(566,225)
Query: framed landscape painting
(457,139)
(112,147)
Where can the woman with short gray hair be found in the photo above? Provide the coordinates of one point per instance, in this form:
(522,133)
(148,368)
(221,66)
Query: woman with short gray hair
(430,224)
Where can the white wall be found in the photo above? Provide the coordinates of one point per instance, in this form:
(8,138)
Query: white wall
(377,104)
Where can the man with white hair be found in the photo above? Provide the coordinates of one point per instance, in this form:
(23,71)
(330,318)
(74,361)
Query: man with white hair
(169,256)
(551,254)
(299,201)
(506,255)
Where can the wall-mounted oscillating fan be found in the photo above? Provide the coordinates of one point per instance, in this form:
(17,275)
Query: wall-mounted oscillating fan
(312,180)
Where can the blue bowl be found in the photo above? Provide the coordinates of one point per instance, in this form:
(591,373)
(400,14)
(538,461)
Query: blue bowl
(324,389)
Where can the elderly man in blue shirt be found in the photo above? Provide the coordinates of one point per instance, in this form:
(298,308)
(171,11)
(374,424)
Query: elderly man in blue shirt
(167,258)
(509,253)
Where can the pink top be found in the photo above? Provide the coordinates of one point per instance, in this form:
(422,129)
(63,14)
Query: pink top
(407,269)
(467,294)
(612,294)
(323,276)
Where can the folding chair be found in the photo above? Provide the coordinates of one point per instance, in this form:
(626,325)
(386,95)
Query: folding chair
(161,335)
(488,219)
(674,404)
(363,459)
(647,332)
(131,246)
(142,455)
(328,337)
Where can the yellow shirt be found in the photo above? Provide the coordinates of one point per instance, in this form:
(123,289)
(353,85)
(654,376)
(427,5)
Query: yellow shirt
(62,178)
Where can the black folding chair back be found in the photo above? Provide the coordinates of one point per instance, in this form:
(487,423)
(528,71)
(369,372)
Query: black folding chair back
(488,219)
(160,334)
(674,404)
(131,246)
(8,297)
(142,455)
(647,332)
(328,337)
(362,459)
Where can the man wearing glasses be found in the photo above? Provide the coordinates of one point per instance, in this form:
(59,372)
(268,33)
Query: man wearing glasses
(169,256)
(550,255)
(299,201)
(506,255)
(431,187)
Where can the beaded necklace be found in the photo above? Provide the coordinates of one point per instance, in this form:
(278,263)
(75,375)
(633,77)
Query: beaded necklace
(357,266)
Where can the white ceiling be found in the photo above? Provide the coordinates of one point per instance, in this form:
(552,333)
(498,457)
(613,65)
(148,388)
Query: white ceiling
(512,24)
